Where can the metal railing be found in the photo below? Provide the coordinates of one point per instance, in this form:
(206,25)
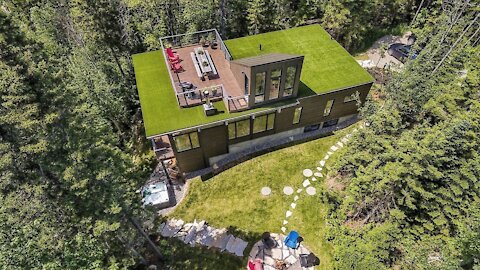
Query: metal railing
(197,96)
(236,104)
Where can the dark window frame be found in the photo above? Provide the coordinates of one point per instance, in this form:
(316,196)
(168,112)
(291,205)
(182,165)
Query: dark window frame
(189,140)
(264,86)
(286,87)
(268,117)
(236,131)
(300,110)
(328,107)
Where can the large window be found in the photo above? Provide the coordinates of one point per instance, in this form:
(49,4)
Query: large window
(328,108)
(289,81)
(259,87)
(275,77)
(297,114)
(264,122)
(239,129)
(186,142)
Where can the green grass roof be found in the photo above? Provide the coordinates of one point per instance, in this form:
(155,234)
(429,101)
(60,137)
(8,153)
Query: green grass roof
(327,66)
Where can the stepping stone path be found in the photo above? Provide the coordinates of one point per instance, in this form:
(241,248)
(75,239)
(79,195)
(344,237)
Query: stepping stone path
(280,252)
(266,191)
(310,190)
(199,233)
(288,190)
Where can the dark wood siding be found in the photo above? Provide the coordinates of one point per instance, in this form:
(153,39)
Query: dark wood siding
(214,141)
(190,160)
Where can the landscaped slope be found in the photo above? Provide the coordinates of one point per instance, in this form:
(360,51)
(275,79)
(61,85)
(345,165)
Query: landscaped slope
(233,199)
(327,65)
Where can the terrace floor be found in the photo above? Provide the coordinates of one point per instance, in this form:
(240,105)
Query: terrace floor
(225,76)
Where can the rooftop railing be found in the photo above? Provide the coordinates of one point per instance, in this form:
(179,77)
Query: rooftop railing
(197,96)
(236,104)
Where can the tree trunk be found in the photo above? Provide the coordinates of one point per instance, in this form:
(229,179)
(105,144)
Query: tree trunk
(145,235)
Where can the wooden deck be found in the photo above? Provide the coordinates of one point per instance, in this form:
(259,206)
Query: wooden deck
(189,74)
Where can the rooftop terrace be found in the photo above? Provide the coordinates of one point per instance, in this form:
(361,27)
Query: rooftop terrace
(327,67)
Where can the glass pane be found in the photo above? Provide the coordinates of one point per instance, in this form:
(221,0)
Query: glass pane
(328,108)
(259,123)
(194,140)
(349,98)
(287,92)
(271,121)
(259,86)
(290,80)
(243,128)
(231,131)
(296,115)
(275,83)
(182,142)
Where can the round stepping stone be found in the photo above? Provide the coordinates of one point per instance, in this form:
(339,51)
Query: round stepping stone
(311,191)
(288,190)
(266,191)
(322,163)
(307,172)
(288,213)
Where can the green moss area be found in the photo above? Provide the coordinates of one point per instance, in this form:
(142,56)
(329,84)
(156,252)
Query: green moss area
(232,199)
(327,65)
(161,113)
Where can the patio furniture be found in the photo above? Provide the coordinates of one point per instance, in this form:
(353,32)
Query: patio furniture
(309,260)
(176,67)
(293,240)
(171,55)
(268,241)
(210,62)
(255,265)
(203,60)
(197,67)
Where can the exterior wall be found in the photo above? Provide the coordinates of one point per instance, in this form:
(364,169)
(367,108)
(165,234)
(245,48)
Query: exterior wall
(235,148)
(214,142)
(238,72)
(298,62)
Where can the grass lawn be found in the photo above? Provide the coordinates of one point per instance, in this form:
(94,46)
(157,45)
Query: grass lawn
(232,199)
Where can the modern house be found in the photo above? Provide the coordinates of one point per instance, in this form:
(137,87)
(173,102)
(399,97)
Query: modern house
(205,101)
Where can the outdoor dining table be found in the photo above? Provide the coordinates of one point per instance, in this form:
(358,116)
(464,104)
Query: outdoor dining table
(202,58)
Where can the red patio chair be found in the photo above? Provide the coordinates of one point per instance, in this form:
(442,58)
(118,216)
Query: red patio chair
(176,67)
(171,55)
(255,265)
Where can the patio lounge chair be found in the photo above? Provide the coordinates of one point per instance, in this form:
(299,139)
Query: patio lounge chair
(171,55)
(176,67)
(309,260)
(255,265)
(293,240)
(267,241)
